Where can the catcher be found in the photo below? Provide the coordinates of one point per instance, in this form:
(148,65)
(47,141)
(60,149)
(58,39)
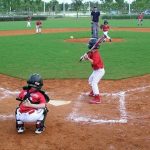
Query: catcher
(38,26)
(33,105)
(105,28)
(98,71)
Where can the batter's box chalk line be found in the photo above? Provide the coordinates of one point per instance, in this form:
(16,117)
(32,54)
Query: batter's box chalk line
(7,93)
(75,116)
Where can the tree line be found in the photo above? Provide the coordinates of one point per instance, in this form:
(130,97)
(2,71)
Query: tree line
(7,6)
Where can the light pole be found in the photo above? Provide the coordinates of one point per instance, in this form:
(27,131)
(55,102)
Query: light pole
(129,9)
(89,7)
(44,6)
(64,7)
(129,2)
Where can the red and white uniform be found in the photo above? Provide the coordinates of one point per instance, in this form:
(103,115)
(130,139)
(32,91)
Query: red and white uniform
(140,19)
(29,114)
(38,26)
(98,70)
(105,29)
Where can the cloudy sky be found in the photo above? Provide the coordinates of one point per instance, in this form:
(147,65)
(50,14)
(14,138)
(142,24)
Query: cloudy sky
(69,1)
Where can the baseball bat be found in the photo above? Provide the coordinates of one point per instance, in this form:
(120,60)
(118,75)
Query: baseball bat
(99,41)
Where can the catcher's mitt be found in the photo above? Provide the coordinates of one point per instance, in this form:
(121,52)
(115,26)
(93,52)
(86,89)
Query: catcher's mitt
(101,26)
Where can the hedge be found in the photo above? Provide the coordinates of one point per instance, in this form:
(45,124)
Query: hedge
(123,16)
(21,18)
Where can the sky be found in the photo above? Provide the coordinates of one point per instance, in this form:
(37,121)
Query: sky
(69,1)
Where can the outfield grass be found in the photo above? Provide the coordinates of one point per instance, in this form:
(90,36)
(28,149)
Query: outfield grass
(52,57)
(69,23)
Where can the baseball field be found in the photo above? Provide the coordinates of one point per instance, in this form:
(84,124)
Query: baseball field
(120,122)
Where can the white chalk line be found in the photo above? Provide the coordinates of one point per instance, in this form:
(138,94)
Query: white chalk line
(76,117)
(6,93)
(7,117)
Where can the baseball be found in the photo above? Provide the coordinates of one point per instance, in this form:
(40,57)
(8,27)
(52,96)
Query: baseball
(71,37)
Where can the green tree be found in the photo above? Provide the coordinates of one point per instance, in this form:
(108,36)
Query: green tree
(77,5)
(120,4)
(108,4)
(141,5)
(53,5)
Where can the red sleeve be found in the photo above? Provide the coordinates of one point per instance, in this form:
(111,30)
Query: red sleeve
(42,98)
(21,94)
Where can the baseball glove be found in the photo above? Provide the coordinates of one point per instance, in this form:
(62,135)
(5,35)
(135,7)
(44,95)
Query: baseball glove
(101,26)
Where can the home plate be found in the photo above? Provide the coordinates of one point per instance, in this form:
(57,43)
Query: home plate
(58,102)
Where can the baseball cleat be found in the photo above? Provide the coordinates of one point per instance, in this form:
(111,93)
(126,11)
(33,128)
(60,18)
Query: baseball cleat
(39,130)
(20,129)
(95,100)
(91,94)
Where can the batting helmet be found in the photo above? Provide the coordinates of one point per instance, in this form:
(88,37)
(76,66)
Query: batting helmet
(105,22)
(92,42)
(36,81)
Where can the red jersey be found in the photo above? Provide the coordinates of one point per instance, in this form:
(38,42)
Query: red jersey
(105,28)
(97,60)
(140,16)
(38,23)
(35,97)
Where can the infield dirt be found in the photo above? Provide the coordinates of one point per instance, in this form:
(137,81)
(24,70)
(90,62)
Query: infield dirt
(63,133)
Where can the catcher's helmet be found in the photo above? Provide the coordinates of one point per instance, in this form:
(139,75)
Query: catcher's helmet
(105,22)
(36,81)
(92,42)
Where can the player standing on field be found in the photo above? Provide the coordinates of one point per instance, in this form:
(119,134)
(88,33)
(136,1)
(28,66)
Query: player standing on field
(29,21)
(140,19)
(105,28)
(98,71)
(95,14)
(38,26)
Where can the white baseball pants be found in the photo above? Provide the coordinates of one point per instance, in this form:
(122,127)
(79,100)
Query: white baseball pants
(106,33)
(94,79)
(28,24)
(38,29)
(30,117)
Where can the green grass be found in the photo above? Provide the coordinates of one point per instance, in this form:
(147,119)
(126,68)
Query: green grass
(52,57)
(69,23)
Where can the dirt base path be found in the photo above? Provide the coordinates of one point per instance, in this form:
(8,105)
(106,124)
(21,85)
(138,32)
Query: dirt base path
(59,30)
(120,122)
